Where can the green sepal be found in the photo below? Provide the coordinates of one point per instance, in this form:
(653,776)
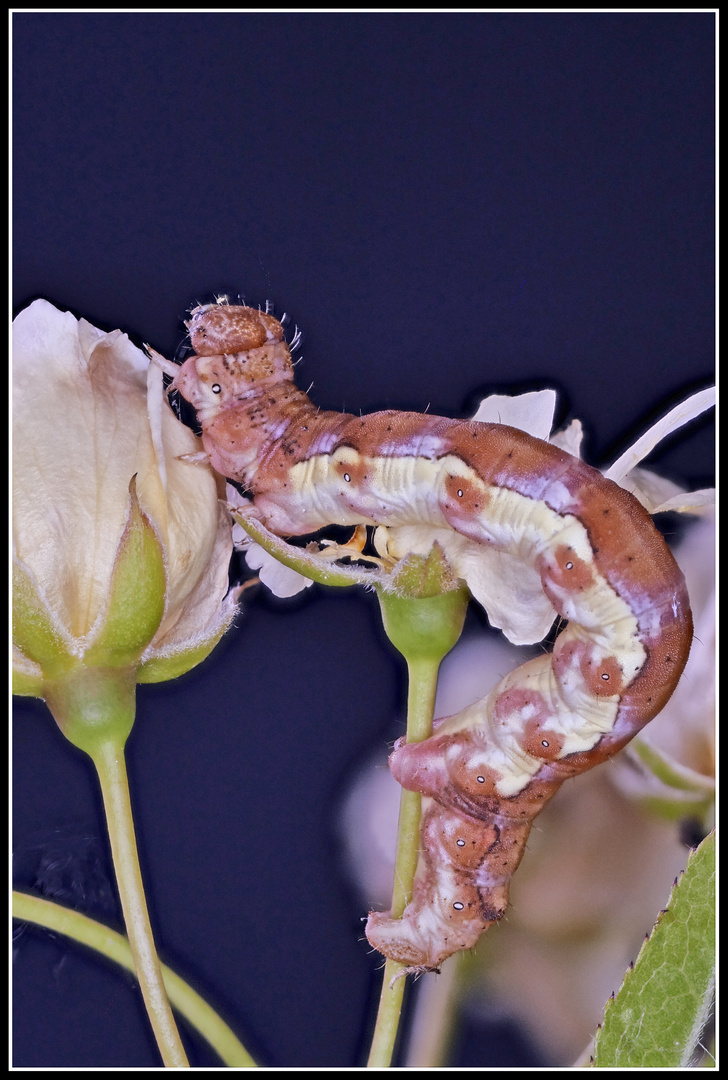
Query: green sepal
(309,564)
(137,590)
(423,576)
(162,668)
(27,682)
(35,635)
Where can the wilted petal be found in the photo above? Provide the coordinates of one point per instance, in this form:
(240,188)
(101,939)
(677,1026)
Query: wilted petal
(659,495)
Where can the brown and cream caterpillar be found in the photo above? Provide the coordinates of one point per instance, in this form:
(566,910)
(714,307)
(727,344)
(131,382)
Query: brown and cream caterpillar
(584,547)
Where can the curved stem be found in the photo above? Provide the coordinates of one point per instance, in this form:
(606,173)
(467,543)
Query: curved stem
(420,711)
(108,757)
(116,947)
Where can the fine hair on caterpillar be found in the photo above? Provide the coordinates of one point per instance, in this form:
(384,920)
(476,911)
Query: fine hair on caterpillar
(558,540)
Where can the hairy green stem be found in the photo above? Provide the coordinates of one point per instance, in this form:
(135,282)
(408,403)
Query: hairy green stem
(420,711)
(115,947)
(108,757)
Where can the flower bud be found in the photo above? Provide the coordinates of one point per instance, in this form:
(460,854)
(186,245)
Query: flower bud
(121,548)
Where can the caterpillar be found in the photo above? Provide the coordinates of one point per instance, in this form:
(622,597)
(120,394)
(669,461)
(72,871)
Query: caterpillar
(584,548)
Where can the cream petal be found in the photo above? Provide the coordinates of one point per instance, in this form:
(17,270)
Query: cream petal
(697,502)
(532,412)
(80,434)
(281,580)
(649,488)
(510,590)
(569,439)
(658,494)
(684,412)
(195,603)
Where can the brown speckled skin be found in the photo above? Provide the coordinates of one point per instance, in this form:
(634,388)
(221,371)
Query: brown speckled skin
(257,427)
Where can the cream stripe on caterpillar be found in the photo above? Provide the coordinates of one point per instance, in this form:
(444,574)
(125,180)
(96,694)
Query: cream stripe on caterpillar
(563,540)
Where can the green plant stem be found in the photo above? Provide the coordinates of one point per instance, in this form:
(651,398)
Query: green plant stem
(420,711)
(116,948)
(108,757)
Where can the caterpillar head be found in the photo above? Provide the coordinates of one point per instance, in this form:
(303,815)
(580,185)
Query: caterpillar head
(231,328)
(239,350)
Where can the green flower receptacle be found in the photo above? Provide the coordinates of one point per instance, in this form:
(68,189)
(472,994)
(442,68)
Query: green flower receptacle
(423,607)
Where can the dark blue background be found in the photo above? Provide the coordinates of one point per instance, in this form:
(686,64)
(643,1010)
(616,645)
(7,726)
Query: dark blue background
(445,204)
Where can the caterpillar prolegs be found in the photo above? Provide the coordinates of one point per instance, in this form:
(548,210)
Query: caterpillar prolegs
(557,537)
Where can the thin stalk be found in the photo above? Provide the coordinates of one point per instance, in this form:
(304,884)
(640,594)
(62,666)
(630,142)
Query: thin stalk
(108,757)
(115,947)
(422,674)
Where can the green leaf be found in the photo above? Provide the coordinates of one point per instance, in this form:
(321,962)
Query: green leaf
(658,1015)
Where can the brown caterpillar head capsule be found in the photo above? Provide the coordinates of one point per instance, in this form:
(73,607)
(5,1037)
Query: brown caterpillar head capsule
(239,350)
(217,329)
